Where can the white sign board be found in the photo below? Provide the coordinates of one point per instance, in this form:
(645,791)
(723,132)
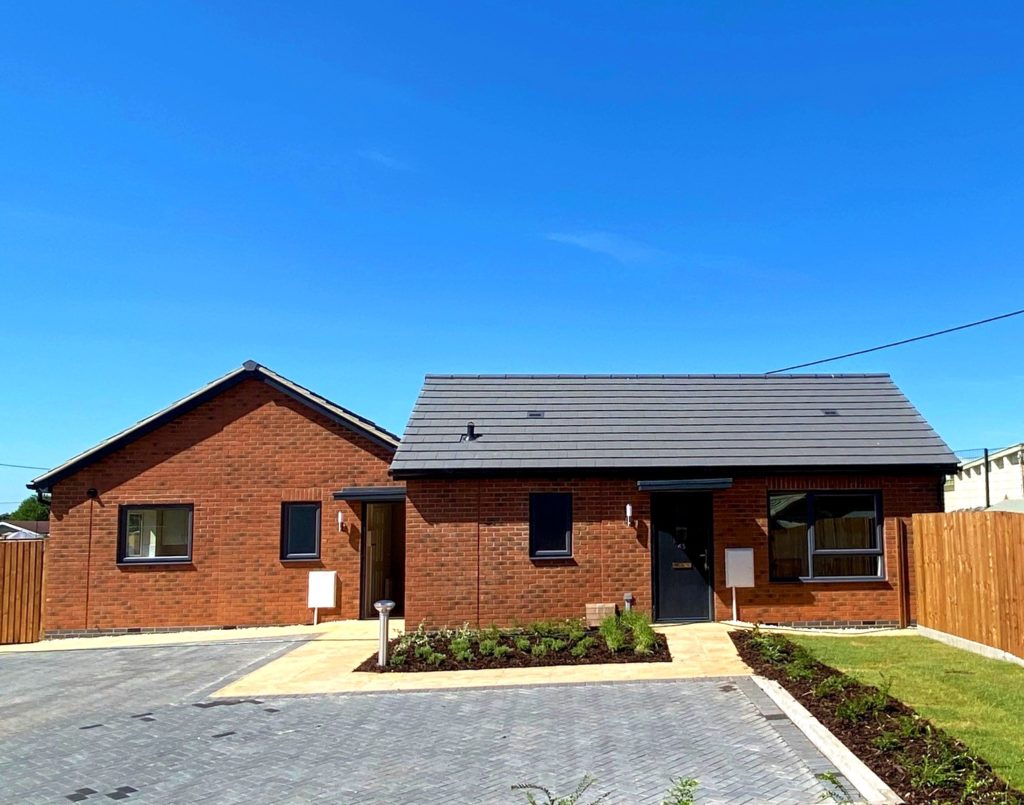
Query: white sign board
(322,588)
(739,567)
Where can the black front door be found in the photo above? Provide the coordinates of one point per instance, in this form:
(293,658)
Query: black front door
(681,522)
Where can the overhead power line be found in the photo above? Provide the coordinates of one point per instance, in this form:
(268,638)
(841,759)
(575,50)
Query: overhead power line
(897,343)
(23,467)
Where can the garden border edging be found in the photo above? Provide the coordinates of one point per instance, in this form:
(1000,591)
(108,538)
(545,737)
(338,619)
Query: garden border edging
(870,786)
(981,649)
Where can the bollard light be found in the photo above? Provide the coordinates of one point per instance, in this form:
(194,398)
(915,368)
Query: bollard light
(384,608)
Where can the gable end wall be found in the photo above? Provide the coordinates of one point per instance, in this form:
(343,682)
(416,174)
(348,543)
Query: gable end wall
(235,458)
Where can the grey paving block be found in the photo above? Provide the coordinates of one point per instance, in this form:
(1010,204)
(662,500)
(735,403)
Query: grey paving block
(467,746)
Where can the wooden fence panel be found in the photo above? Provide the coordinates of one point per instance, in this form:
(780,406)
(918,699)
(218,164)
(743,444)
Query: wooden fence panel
(970,576)
(21,590)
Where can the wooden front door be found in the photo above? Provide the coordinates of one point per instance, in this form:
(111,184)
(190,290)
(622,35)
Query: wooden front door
(383,556)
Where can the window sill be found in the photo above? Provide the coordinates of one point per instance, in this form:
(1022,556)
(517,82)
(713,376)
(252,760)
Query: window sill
(833,580)
(301,560)
(155,562)
(562,557)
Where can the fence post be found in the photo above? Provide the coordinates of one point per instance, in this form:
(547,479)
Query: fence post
(903,560)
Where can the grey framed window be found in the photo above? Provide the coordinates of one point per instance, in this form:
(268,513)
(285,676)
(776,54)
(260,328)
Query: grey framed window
(154,533)
(550,525)
(825,536)
(300,530)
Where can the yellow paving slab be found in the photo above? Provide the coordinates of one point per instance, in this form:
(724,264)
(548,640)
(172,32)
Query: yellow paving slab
(325,665)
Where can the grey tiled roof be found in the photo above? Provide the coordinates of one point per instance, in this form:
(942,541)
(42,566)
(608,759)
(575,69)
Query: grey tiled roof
(664,421)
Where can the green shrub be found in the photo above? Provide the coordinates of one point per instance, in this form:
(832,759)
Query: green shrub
(909,726)
(941,766)
(613,633)
(576,632)
(857,708)
(801,665)
(424,652)
(645,642)
(644,637)
(888,741)
(487,647)
(773,648)
(461,649)
(633,619)
(397,660)
(522,643)
(539,649)
(490,633)
(582,647)
(415,639)
(553,644)
(832,686)
(501,651)
(550,628)
(435,658)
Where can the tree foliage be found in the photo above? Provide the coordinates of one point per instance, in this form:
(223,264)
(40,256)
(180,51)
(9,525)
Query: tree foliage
(31,508)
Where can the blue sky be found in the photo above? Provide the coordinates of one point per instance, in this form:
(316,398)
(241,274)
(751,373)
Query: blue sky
(355,195)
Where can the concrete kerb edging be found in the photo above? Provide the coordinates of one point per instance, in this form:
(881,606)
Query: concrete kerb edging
(816,631)
(870,786)
(970,645)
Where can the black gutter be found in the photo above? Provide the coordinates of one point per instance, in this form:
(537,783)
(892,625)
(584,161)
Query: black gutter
(669,473)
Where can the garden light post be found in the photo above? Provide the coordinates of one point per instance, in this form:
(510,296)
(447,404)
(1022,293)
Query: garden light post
(384,608)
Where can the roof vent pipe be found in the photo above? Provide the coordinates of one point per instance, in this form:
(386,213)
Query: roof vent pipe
(470,431)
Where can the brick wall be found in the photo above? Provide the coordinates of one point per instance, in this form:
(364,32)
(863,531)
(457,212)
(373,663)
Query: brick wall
(236,458)
(455,526)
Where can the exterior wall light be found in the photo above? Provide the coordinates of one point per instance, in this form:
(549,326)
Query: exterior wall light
(629,514)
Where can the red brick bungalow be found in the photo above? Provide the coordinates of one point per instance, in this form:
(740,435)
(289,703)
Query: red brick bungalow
(212,512)
(525,497)
(531,496)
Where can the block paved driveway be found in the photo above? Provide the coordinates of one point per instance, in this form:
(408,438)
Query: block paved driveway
(139,725)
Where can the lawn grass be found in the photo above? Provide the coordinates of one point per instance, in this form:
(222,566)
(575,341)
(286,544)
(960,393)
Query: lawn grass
(978,700)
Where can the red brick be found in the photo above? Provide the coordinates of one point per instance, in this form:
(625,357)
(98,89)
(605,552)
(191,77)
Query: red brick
(467,556)
(236,458)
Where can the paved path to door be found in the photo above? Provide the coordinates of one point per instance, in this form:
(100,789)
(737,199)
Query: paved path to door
(139,725)
(325,665)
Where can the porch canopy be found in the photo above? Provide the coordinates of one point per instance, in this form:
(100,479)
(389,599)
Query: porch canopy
(372,494)
(684,485)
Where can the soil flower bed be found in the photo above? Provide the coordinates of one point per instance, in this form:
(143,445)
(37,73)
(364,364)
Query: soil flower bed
(917,760)
(621,638)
